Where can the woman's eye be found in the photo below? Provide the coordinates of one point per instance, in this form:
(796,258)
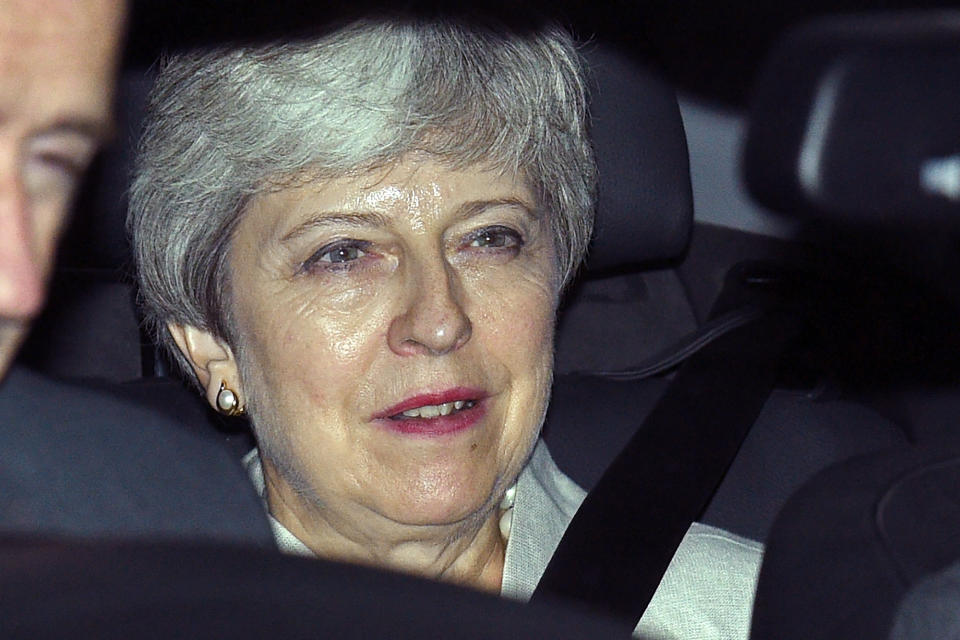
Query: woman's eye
(495,238)
(342,254)
(335,256)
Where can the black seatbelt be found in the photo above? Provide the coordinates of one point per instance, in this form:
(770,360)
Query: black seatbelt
(617,548)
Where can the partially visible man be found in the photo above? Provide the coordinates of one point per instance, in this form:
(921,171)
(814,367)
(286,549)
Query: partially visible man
(75,462)
(57,60)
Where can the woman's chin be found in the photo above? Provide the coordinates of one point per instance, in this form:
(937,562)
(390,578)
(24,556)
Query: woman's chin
(451,507)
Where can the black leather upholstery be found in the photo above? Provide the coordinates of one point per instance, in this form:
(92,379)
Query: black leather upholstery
(645,207)
(852,541)
(857,119)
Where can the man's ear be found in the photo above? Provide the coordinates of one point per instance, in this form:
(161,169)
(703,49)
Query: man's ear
(212,360)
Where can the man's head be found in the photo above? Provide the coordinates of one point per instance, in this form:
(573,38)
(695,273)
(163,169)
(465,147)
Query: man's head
(57,61)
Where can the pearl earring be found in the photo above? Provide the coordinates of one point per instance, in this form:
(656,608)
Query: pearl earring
(227,402)
(506,512)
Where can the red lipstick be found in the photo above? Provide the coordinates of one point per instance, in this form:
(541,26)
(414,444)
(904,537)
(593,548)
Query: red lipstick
(474,408)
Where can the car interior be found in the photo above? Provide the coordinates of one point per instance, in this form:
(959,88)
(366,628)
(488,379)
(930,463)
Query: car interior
(799,160)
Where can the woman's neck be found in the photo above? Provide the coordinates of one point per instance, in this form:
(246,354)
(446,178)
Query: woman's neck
(469,553)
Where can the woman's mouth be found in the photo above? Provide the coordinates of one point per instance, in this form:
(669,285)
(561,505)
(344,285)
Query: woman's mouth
(434,410)
(435,414)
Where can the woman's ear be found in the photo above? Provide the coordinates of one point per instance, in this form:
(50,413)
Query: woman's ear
(211,357)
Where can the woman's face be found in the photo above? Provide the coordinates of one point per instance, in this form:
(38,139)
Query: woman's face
(395,339)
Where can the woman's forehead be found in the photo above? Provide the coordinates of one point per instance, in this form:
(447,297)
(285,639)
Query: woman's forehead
(415,184)
(405,167)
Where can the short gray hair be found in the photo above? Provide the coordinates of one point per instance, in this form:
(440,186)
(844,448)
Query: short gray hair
(224,125)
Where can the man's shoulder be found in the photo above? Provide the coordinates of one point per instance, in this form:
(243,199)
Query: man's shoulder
(31,397)
(81,461)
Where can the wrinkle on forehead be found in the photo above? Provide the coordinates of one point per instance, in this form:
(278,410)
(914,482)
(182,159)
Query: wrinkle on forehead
(412,185)
(390,196)
(408,198)
(384,196)
(380,172)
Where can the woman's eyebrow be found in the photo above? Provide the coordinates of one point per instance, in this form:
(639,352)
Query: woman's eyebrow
(476,207)
(354,219)
(368,219)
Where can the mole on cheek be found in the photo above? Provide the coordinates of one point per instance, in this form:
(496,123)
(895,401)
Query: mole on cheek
(473,447)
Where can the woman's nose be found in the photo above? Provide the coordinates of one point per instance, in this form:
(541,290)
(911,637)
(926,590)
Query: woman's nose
(21,276)
(433,321)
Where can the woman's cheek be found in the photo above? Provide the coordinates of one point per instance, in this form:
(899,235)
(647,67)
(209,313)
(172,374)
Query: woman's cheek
(318,331)
(521,307)
(340,291)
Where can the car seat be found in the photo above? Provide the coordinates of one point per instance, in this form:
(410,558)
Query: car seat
(855,124)
(592,415)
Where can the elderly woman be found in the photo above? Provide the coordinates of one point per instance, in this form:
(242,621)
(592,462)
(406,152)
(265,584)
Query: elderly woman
(360,241)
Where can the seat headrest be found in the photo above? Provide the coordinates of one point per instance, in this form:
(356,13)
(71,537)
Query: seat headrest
(858,119)
(645,207)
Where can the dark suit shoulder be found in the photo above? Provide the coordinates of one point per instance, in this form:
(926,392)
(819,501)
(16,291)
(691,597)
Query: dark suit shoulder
(83,462)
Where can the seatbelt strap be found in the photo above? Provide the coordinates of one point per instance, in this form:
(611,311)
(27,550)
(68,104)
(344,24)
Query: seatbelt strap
(618,545)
